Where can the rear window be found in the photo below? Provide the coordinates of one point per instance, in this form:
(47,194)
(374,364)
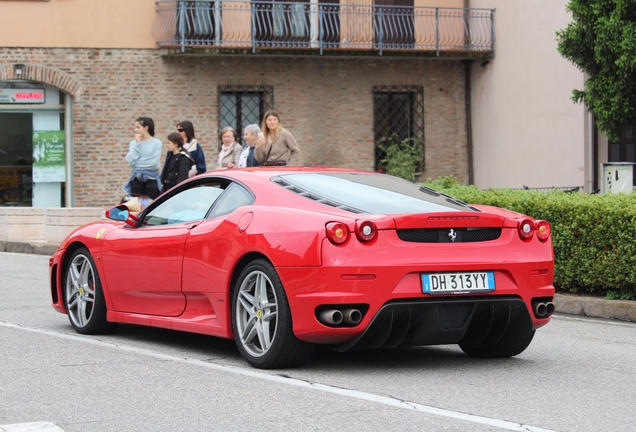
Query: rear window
(369,193)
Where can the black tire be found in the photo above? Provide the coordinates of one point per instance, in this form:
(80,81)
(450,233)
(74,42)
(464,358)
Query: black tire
(261,320)
(83,296)
(498,351)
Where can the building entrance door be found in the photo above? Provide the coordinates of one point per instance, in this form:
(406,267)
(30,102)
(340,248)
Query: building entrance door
(16,159)
(32,145)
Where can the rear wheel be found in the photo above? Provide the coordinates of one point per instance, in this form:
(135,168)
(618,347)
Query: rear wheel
(83,296)
(498,351)
(261,320)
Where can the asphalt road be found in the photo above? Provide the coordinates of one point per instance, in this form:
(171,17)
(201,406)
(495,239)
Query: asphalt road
(579,374)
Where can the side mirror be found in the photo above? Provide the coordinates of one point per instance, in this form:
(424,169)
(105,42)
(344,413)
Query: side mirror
(121,213)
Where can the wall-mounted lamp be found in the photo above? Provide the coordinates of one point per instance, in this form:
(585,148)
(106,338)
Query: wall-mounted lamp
(18,68)
(484,63)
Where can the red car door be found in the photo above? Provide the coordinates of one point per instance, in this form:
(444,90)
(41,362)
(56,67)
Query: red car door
(142,268)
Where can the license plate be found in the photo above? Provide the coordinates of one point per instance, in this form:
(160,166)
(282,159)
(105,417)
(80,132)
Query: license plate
(458,283)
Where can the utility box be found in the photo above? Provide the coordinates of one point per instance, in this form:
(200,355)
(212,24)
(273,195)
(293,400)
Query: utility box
(617,177)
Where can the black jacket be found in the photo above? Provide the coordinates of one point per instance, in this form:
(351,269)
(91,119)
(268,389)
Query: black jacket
(175,169)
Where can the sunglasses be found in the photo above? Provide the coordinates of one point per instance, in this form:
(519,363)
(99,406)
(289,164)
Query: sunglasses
(179,130)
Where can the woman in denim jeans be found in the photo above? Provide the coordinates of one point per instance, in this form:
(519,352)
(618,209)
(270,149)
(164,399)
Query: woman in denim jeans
(144,157)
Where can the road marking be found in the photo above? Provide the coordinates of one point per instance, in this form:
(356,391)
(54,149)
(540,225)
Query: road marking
(282,379)
(30,427)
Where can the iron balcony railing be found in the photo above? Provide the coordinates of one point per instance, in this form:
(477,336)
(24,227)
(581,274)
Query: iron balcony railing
(327,25)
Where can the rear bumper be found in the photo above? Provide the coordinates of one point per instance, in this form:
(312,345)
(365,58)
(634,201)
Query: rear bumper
(388,274)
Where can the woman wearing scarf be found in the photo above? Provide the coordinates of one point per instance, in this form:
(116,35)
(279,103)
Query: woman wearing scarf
(230,151)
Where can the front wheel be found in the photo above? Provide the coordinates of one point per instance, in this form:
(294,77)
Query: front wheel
(83,296)
(498,351)
(261,320)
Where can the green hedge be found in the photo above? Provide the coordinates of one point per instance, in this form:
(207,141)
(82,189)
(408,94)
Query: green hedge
(594,236)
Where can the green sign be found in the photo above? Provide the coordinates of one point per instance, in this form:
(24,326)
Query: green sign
(49,157)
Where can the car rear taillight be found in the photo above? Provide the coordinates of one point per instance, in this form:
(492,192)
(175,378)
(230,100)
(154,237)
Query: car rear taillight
(543,230)
(337,232)
(365,231)
(526,229)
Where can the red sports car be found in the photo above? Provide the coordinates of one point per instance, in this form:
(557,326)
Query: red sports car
(286,259)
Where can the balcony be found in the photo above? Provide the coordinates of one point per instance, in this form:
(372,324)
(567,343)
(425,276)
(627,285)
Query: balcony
(323,27)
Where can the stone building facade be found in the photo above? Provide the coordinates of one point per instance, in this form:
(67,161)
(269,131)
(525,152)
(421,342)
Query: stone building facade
(327,103)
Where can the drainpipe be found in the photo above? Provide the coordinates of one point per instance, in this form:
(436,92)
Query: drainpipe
(595,163)
(469,122)
(469,116)
(70,157)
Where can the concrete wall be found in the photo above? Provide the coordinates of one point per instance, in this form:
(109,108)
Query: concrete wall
(526,129)
(50,225)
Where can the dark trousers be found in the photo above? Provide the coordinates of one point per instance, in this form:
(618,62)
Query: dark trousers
(148,188)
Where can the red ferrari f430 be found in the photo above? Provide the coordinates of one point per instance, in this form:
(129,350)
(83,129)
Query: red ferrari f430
(287,259)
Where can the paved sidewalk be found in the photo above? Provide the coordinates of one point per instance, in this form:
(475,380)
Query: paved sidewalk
(570,304)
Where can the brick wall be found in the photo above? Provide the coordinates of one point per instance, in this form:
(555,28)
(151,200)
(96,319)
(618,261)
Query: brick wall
(327,103)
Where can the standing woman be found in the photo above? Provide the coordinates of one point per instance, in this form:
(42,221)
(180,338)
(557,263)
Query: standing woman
(278,147)
(190,143)
(230,149)
(144,157)
(177,164)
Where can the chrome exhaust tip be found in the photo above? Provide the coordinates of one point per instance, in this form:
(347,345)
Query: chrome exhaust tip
(331,317)
(550,308)
(540,310)
(351,316)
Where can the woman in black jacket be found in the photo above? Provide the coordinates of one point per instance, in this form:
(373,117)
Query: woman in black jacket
(177,164)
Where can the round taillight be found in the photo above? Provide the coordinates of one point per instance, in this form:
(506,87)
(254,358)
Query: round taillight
(543,230)
(337,232)
(365,231)
(526,229)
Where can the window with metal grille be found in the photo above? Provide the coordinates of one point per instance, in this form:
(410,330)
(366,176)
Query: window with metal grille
(398,110)
(624,150)
(244,105)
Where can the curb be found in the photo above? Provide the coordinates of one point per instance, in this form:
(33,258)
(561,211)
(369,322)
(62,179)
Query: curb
(39,248)
(569,304)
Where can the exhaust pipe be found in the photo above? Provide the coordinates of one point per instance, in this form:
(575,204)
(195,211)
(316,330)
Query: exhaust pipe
(351,316)
(540,309)
(331,317)
(549,306)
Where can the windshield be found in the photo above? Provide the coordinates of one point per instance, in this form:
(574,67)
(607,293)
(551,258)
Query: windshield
(370,193)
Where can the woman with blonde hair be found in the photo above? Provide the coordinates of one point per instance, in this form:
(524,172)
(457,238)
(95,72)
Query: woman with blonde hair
(278,147)
(230,151)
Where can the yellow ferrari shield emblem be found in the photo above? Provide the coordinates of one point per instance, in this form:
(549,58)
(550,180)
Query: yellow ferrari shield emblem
(100,232)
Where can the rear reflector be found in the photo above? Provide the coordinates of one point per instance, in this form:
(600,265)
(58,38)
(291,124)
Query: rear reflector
(357,277)
(536,272)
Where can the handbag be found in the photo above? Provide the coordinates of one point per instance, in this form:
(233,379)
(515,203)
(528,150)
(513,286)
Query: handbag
(273,163)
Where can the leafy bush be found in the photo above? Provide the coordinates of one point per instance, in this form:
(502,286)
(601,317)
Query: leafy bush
(594,236)
(401,158)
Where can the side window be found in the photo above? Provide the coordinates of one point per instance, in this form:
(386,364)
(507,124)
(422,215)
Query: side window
(186,206)
(234,197)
